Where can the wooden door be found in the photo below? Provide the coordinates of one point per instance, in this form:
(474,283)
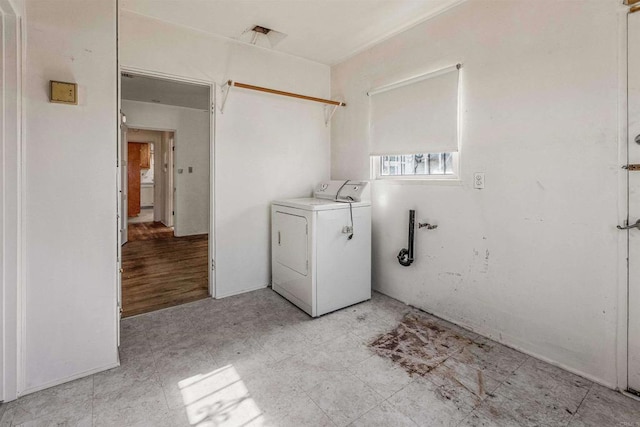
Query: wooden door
(145,156)
(133,179)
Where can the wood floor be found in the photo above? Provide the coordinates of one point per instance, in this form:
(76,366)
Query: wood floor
(160,270)
(148,231)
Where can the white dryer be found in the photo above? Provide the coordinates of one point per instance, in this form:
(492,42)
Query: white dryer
(321,247)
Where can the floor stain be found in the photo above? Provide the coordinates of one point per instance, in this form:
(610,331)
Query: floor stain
(480,384)
(421,345)
(418,344)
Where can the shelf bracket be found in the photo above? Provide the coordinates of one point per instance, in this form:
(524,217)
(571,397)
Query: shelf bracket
(226,88)
(332,111)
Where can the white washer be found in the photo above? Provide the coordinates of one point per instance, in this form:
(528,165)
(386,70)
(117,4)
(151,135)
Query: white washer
(315,264)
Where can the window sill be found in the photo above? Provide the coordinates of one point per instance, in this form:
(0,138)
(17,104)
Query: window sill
(456,182)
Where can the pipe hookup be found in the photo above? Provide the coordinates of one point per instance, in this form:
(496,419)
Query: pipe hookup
(405,256)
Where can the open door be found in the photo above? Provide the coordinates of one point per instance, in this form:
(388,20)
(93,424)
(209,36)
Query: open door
(122,217)
(123,187)
(133,178)
(633,227)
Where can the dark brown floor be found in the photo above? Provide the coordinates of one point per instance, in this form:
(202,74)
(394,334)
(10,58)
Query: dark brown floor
(148,231)
(160,270)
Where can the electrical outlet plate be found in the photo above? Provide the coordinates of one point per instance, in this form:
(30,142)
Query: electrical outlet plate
(478,180)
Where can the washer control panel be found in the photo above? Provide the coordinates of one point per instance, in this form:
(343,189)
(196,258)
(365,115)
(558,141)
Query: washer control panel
(349,191)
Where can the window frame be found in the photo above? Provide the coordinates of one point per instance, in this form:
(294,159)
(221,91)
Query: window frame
(376,171)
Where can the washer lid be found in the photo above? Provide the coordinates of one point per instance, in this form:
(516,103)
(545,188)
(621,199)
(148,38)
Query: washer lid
(313,204)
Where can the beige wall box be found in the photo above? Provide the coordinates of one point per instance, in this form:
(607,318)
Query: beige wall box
(63,93)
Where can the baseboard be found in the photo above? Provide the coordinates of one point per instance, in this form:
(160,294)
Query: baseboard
(631,395)
(244,291)
(68,379)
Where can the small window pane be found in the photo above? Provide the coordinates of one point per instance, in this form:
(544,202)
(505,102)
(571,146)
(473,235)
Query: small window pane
(448,163)
(417,164)
(436,165)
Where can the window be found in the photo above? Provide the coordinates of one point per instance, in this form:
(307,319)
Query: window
(418,166)
(414,127)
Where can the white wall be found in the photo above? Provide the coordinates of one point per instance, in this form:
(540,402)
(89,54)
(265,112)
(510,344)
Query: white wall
(70,222)
(266,147)
(531,260)
(284,155)
(192,149)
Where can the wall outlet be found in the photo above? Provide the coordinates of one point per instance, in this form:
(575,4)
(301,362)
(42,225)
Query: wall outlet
(478,180)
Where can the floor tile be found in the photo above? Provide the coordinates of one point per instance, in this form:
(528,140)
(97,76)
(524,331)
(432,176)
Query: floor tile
(343,397)
(545,386)
(322,329)
(83,419)
(498,410)
(281,342)
(452,372)
(218,398)
(428,404)
(603,406)
(124,376)
(388,308)
(348,349)
(140,402)
(308,369)
(186,358)
(494,359)
(382,375)
(244,354)
(72,398)
(304,413)
(384,415)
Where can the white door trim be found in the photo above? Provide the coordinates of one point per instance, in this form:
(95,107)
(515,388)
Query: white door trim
(212,93)
(11,204)
(623,207)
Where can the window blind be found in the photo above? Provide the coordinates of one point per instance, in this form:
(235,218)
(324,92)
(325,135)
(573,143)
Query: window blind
(419,115)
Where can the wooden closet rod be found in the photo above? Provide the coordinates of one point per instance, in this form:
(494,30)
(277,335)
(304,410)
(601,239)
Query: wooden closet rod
(283,93)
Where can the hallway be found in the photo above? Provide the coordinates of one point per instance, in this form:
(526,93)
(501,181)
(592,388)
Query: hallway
(160,270)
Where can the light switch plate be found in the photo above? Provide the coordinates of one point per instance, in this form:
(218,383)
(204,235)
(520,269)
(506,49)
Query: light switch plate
(478,180)
(63,92)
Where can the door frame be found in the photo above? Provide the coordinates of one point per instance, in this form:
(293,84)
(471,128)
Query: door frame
(212,120)
(622,351)
(12,234)
(623,212)
(171,158)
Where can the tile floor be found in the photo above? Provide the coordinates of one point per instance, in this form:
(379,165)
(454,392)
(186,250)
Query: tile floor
(256,360)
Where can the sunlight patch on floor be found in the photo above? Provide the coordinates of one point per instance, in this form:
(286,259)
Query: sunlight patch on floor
(219,398)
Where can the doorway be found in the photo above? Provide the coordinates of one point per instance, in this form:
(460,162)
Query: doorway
(166,195)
